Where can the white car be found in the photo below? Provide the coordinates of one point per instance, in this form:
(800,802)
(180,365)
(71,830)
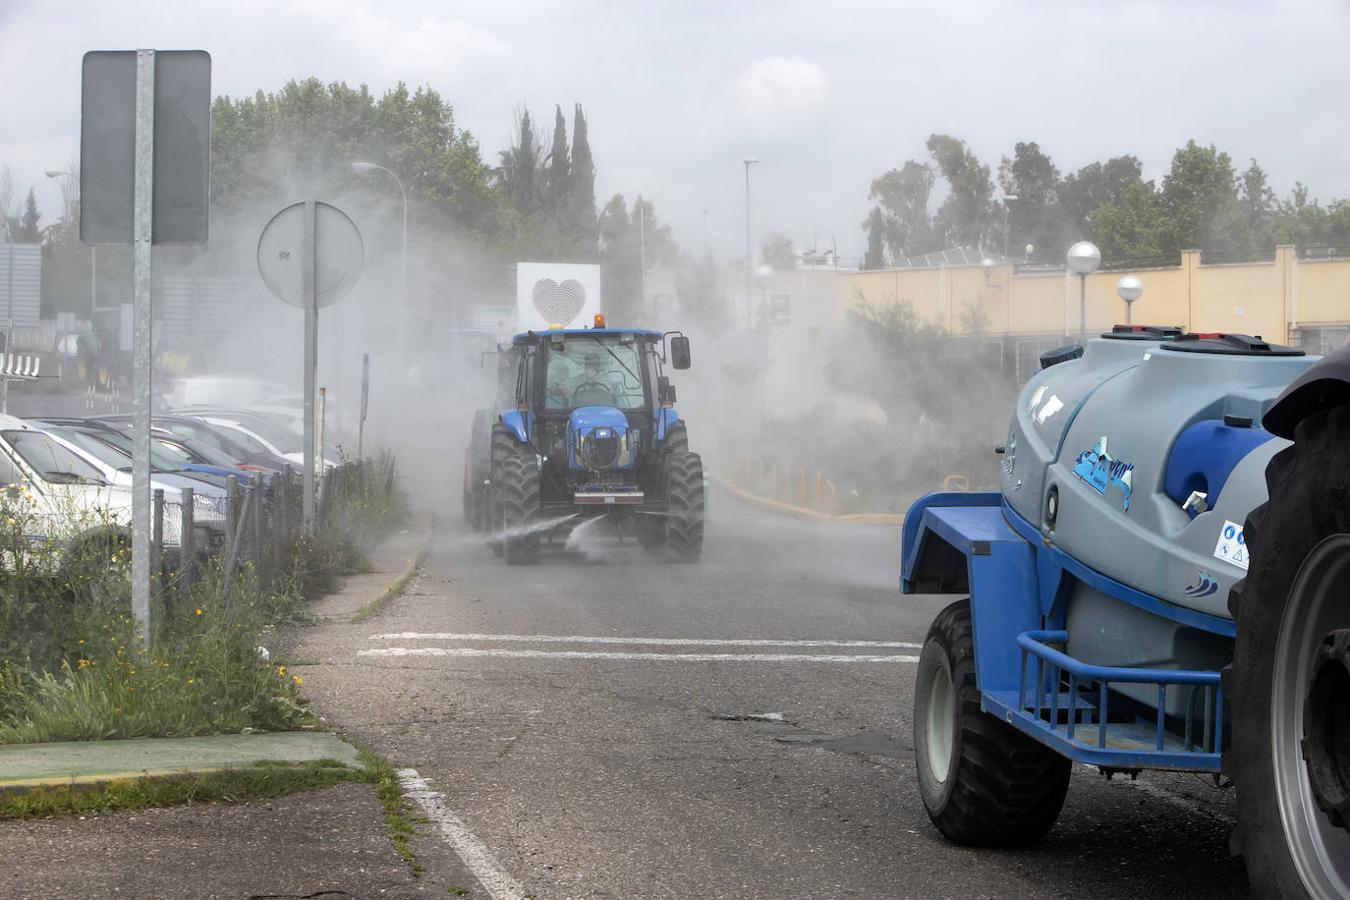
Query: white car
(257,434)
(61,495)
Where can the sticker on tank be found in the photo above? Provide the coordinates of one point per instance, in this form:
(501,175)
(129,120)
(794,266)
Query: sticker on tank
(1100,471)
(1232,545)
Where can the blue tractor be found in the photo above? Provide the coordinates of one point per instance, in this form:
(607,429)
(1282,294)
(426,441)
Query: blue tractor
(593,432)
(1163,582)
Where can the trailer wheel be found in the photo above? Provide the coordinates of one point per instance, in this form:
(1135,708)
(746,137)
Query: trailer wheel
(983,782)
(1289,683)
(684,492)
(518,495)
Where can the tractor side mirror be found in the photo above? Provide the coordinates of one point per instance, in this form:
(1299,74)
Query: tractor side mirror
(679,352)
(665,391)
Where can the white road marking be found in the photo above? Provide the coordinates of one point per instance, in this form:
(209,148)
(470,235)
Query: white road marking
(476,856)
(675,657)
(635,641)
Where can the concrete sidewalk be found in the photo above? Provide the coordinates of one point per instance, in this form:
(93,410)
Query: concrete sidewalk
(83,762)
(394,557)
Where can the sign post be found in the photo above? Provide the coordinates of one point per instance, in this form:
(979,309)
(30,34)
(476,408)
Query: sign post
(310,255)
(365,405)
(142,233)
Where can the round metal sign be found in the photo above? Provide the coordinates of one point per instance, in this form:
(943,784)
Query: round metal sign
(338,250)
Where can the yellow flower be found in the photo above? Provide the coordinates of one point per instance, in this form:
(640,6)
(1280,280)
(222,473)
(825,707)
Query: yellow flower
(281,671)
(85,662)
(199,610)
(189,681)
(81,640)
(297,679)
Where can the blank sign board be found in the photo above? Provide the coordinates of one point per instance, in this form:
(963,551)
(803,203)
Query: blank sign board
(339,254)
(108,143)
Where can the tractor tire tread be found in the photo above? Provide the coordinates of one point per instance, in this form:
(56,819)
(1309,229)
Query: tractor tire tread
(684,520)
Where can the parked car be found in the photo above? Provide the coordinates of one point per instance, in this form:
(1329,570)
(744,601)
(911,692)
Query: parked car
(209,500)
(66,496)
(202,435)
(255,433)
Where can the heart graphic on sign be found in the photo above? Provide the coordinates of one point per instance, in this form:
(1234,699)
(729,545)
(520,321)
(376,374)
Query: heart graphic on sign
(559,303)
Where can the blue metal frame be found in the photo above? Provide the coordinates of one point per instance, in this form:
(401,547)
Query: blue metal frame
(1017,581)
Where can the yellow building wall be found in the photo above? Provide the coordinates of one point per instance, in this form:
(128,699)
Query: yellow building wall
(1249,298)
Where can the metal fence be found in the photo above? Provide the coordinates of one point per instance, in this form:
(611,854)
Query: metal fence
(263,518)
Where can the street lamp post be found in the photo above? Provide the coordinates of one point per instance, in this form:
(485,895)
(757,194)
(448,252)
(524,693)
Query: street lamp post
(1129,288)
(1083,259)
(749,314)
(367,167)
(93,249)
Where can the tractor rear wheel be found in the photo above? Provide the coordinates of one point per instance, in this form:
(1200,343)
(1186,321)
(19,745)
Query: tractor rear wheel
(983,782)
(684,494)
(677,438)
(518,493)
(1289,683)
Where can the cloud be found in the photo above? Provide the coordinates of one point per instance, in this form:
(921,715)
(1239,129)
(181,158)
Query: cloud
(778,88)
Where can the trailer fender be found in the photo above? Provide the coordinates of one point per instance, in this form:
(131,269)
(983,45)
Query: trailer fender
(1324,385)
(962,543)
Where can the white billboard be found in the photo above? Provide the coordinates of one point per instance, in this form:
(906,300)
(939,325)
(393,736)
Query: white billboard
(566,294)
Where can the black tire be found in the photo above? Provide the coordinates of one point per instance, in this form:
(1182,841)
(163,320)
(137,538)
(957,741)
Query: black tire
(502,444)
(518,492)
(1000,788)
(684,494)
(1308,487)
(677,439)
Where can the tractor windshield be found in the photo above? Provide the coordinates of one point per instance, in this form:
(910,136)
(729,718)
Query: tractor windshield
(592,371)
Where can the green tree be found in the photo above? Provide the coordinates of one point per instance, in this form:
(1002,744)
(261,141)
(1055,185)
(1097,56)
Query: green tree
(1081,193)
(777,252)
(903,196)
(24,227)
(1035,217)
(1131,228)
(964,217)
(581,193)
(521,168)
(1199,196)
(559,171)
(875,223)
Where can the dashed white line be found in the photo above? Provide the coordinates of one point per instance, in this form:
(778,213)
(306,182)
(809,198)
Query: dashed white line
(635,641)
(672,657)
(476,856)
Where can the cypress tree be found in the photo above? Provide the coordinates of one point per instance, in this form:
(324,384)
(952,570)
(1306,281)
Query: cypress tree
(559,171)
(581,196)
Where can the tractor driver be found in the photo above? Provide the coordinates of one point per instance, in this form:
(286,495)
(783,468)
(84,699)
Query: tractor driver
(566,381)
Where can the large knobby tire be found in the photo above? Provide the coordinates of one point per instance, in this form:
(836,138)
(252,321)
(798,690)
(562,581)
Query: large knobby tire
(983,782)
(518,491)
(684,494)
(502,445)
(1294,594)
(677,438)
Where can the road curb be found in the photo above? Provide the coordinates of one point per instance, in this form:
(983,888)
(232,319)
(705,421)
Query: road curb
(811,515)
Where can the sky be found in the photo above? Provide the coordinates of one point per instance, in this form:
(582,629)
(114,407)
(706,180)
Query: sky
(825,95)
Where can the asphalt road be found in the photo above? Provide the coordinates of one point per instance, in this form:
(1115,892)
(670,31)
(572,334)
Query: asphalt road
(605,765)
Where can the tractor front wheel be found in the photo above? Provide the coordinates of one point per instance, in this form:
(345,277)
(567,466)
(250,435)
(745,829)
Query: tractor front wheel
(1289,683)
(684,494)
(983,782)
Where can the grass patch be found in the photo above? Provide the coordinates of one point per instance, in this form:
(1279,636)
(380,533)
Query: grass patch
(257,782)
(399,821)
(391,593)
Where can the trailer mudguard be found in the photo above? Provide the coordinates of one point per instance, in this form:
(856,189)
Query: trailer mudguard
(959,543)
(1325,385)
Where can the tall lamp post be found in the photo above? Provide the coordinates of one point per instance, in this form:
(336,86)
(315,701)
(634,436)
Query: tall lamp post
(1083,259)
(1129,288)
(366,168)
(749,266)
(93,249)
